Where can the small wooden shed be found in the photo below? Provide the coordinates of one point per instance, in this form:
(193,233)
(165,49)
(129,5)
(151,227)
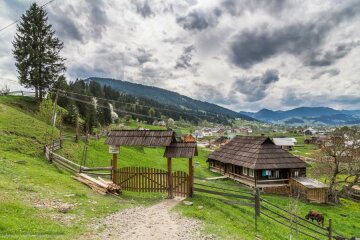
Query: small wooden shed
(309,189)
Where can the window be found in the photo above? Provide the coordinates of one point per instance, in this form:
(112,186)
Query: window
(277,174)
(296,173)
(251,172)
(245,171)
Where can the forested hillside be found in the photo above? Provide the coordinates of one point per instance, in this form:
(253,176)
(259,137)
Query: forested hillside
(97,104)
(166,97)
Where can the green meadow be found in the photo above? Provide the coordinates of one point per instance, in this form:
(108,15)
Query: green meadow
(31,189)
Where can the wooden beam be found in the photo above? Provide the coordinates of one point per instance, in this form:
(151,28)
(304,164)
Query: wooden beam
(170,179)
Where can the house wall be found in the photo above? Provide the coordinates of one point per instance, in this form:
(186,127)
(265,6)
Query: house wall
(283,174)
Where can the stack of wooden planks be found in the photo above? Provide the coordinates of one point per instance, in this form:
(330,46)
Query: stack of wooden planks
(99,185)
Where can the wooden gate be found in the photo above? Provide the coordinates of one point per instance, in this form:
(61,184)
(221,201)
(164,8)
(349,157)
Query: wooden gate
(142,179)
(181,184)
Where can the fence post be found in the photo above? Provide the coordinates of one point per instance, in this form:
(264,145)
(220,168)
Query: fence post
(257,206)
(190,177)
(114,168)
(330,229)
(170,179)
(257,202)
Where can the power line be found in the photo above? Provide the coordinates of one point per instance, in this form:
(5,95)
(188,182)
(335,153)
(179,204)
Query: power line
(132,104)
(11,24)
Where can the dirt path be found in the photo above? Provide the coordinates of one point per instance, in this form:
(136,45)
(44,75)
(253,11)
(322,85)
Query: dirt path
(155,222)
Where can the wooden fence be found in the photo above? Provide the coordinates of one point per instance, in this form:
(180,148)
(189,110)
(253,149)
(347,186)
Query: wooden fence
(142,179)
(19,93)
(266,208)
(69,165)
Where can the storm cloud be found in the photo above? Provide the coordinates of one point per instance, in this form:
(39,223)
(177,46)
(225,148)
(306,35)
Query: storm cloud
(304,39)
(254,88)
(144,56)
(66,27)
(143,8)
(330,73)
(202,18)
(199,19)
(326,58)
(70,27)
(184,61)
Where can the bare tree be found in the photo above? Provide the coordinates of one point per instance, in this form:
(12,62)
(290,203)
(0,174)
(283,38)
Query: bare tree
(4,90)
(339,161)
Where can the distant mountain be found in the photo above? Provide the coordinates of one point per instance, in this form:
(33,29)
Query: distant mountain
(308,115)
(166,97)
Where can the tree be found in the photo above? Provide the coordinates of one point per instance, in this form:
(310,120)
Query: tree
(339,161)
(37,51)
(4,90)
(61,84)
(45,112)
(72,114)
(151,112)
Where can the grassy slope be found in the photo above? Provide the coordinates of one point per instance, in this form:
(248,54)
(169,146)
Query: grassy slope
(303,149)
(28,183)
(237,222)
(37,179)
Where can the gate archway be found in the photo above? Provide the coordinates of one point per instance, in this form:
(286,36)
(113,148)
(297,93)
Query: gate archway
(140,179)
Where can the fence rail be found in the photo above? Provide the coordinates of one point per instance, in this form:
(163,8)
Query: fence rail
(268,209)
(69,165)
(19,93)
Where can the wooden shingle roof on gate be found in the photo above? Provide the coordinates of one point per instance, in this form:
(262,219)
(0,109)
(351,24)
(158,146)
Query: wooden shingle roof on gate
(181,150)
(256,152)
(146,138)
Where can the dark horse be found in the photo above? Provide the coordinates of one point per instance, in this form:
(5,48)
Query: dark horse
(314,215)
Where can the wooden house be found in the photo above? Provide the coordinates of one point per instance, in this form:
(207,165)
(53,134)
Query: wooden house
(188,138)
(285,143)
(257,162)
(309,131)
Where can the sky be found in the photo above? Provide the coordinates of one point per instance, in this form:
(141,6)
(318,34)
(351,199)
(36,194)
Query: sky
(244,55)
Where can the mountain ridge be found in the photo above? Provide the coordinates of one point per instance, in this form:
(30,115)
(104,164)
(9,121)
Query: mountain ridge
(166,97)
(307,115)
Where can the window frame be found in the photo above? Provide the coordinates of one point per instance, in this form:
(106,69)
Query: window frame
(245,171)
(251,172)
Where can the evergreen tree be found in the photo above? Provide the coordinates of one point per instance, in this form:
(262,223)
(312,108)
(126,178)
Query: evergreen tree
(61,84)
(36,51)
(72,114)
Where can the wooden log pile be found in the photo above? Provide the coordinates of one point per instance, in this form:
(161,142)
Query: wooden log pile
(99,185)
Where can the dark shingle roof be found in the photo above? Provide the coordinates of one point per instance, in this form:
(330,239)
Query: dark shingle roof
(146,138)
(181,150)
(256,153)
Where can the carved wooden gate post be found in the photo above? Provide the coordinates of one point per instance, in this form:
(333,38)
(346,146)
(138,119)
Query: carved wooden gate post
(115,151)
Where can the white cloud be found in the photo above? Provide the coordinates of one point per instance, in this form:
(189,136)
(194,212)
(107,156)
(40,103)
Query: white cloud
(144,40)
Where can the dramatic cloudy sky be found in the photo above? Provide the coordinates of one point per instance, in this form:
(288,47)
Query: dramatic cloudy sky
(244,55)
